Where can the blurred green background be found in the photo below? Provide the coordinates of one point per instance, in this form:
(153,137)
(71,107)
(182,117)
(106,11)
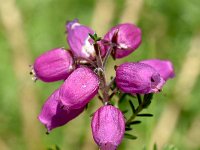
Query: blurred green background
(171,30)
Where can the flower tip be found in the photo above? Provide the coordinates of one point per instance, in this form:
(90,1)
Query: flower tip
(171,69)
(108,146)
(71,24)
(164,67)
(45,123)
(53,116)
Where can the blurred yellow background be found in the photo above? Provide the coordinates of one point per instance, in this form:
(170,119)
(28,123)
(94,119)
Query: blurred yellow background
(171,30)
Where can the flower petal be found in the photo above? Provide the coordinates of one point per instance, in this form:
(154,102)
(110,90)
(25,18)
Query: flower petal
(108,127)
(79,88)
(127,38)
(164,67)
(138,78)
(79,39)
(53,65)
(53,115)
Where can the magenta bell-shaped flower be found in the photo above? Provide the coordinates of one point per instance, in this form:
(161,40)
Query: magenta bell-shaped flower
(138,78)
(79,88)
(164,67)
(79,40)
(126,37)
(53,115)
(53,65)
(108,127)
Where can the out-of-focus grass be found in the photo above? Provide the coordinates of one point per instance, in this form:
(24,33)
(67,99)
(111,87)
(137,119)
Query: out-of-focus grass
(168,27)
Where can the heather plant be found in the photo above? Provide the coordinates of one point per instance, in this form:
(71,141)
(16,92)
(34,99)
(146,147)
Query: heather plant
(82,68)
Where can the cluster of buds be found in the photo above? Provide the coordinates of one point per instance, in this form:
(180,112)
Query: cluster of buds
(82,68)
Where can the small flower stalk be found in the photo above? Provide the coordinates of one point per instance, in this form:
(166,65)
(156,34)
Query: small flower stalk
(81,68)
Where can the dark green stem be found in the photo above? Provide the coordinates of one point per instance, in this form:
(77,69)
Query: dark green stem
(138,109)
(142,105)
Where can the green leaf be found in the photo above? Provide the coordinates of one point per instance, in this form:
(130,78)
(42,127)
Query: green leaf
(145,115)
(135,122)
(148,96)
(128,128)
(122,98)
(98,38)
(144,148)
(95,37)
(129,136)
(92,37)
(147,100)
(132,106)
(124,111)
(170,147)
(139,99)
(146,104)
(124,104)
(155,147)
(55,147)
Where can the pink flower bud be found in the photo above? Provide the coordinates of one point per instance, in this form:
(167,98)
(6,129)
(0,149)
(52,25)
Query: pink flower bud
(164,67)
(127,38)
(53,115)
(53,65)
(108,127)
(79,88)
(138,78)
(79,39)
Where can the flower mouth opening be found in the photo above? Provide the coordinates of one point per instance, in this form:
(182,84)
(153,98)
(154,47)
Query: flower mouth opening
(88,48)
(107,146)
(152,80)
(33,74)
(157,83)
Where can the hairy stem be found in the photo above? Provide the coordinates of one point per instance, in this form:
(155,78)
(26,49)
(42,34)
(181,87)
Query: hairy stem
(98,56)
(107,56)
(101,72)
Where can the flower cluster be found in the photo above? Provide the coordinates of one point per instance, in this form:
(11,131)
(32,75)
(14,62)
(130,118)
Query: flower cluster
(82,68)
